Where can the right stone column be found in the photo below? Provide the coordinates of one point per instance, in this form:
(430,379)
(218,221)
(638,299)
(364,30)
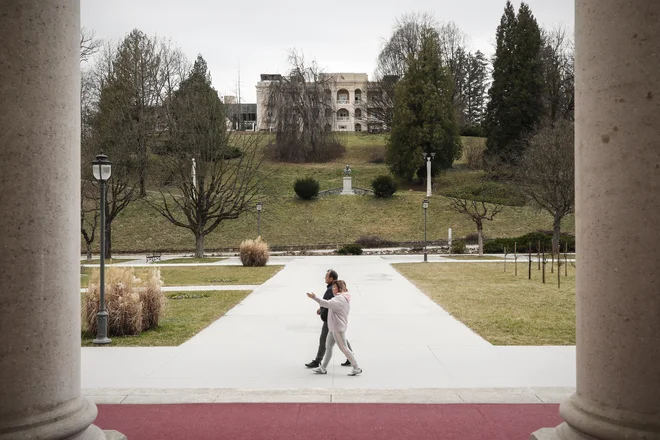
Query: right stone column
(617,159)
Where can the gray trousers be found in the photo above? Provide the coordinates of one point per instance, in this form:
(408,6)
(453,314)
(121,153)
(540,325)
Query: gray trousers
(322,342)
(340,339)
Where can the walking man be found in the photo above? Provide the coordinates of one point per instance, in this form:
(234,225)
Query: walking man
(330,276)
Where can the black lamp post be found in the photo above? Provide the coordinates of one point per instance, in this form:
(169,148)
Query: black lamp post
(425,205)
(102,169)
(260,206)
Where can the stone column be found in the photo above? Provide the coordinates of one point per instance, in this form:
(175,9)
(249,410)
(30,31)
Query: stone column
(40,394)
(617,212)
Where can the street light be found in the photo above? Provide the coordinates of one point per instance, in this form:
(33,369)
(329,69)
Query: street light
(425,205)
(428,158)
(102,170)
(260,206)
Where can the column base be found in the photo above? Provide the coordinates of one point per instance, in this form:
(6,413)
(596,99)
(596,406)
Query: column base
(71,420)
(561,432)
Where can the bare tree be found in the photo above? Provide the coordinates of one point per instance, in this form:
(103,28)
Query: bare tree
(557,55)
(89,214)
(403,45)
(89,44)
(547,172)
(454,53)
(478,212)
(303,112)
(215,175)
(395,55)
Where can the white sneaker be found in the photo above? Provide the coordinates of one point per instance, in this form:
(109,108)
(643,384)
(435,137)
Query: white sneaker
(320,370)
(355,372)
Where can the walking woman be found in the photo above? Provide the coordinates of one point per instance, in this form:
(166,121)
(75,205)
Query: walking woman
(338,308)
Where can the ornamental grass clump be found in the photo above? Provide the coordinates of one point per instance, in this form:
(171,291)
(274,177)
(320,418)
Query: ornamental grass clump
(133,304)
(254,252)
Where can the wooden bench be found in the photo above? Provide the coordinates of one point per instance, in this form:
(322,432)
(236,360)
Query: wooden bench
(153,257)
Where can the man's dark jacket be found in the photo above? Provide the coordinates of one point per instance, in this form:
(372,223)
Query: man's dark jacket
(327,296)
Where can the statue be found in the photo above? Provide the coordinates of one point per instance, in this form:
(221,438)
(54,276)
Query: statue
(348,185)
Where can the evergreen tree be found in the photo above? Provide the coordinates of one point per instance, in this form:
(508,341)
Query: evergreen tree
(424,117)
(136,68)
(475,94)
(515,106)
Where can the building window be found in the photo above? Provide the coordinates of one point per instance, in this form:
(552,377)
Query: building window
(358,96)
(342,96)
(328,113)
(342,115)
(358,113)
(358,127)
(342,128)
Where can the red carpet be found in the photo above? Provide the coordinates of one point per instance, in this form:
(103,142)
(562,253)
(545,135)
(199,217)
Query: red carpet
(281,421)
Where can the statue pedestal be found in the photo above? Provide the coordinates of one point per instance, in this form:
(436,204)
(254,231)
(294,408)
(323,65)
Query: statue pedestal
(348,187)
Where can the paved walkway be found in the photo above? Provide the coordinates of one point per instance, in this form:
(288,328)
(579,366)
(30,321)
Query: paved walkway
(409,347)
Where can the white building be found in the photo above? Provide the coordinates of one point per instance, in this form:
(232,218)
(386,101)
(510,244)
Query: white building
(349,92)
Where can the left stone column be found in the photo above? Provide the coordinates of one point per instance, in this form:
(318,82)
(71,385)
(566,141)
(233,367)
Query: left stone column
(40,394)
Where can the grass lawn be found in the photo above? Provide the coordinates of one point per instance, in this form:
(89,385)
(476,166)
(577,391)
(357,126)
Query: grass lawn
(183,318)
(190,260)
(502,308)
(287,220)
(203,275)
(473,257)
(108,261)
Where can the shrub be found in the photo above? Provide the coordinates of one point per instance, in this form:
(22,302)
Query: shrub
(133,304)
(474,155)
(472,238)
(254,252)
(472,131)
(458,247)
(306,188)
(377,157)
(232,153)
(384,186)
(373,241)
(496,246)
(350,249)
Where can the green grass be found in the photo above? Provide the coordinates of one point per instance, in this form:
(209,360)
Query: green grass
(183,319)
(472,257)
(190,260)
(502,308)
(115,260)
(286,220)
(203,275)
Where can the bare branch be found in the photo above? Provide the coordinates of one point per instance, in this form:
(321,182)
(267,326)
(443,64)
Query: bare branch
(89,44)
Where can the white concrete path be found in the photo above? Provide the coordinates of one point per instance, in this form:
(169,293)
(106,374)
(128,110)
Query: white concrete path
(404,342)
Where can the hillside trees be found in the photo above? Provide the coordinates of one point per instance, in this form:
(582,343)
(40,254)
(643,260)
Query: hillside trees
(215,175)
(515,107)
(302,108)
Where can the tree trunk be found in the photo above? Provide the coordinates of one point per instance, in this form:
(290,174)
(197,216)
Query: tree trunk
(556,234)
(143,187)
(199,246)
(89,251)
(480,233)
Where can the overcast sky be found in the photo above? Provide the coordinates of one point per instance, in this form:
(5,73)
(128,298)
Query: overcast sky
(342,36)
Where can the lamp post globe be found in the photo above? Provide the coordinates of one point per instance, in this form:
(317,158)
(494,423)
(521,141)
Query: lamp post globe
(102,171)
